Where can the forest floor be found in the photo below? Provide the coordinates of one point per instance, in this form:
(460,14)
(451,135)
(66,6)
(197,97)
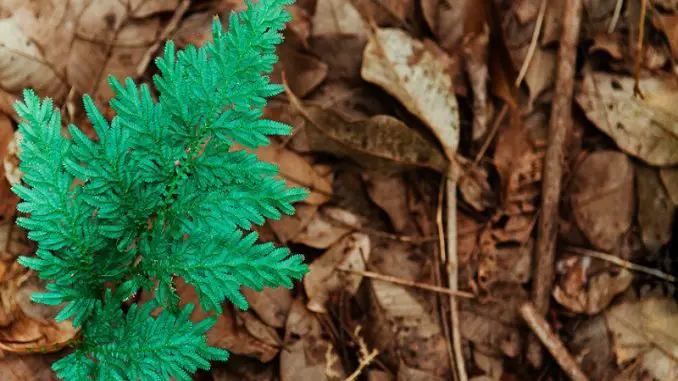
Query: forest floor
(493,185)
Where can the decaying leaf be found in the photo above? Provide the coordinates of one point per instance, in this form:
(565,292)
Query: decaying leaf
(602,197)
(644,129)
(645,330)
(596,295)
(656,211)
(407,70)
(380,142)
(306,348)
(325,276)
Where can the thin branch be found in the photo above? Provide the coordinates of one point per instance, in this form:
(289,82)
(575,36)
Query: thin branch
(559,130)
(552,342)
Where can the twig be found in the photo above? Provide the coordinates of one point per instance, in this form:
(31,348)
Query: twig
(615,16)
(559,130)
(639,50)
(541,328)
(622,263)
(410,283)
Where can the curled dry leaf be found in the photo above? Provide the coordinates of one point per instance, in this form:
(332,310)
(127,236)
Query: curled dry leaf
(325,276)
(380,142)
(307,348)
(645,129)
(406,69)
(644,330)
(656,211)
(602,197)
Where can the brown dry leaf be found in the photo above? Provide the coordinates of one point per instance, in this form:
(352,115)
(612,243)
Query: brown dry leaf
(656,211)
(670,179)
(28,367)
(378,375)
(406,373)
(404,328)
(406,69)
(287,228)
(327,227)
(494,327)
(271,304)
(591,346)
(468,230)
(596,296)
(602,197)
(9,199)
(303,71)
(493,366)
(338,16)
(541,74)
(475,188)
(390,194)
(143,8)
(343,54)
(306,348)
(646,129)
(446,20)
(10,161)
(381,142)
(233,331)
(240,368)
(645,330)
(386,12)
(608,43)
(325,276)
(669,25)
(297,172)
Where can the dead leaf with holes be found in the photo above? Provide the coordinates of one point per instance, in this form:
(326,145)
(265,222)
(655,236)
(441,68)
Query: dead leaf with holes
(644,330)
(307,349)
(656,211)
(602,197)
(406,69)
(646,128)
(325,274)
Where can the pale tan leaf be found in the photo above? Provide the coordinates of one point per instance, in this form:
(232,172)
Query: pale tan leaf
(324,277)
(645,129)
(646,330)
(408,71)
(337,16)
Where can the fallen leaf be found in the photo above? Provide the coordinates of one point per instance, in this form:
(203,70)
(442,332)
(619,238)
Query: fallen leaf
(644,330)
(322,230)
(287,228)
(592,347)
(541,74)
(306,348)
(337,16)
(33,367)
(641,128)
(408,71)
(476,53)
(406,373)
(380,142)
(271,304)
(602,197)
(669,25)
(142,8)
(325,276)
(608,43)
(598,294)
(304,71)
(343,55)
(9,199)
(656,211)
(390,194)
(297,172)
(670,179)
(241,368)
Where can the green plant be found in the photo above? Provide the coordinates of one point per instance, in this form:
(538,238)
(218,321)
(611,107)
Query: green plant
(161,194)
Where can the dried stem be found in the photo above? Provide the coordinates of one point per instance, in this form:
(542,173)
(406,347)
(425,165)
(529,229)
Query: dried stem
(544,332)
(559,132)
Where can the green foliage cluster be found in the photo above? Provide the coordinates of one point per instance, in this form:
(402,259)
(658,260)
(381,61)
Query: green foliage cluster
(160,194)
